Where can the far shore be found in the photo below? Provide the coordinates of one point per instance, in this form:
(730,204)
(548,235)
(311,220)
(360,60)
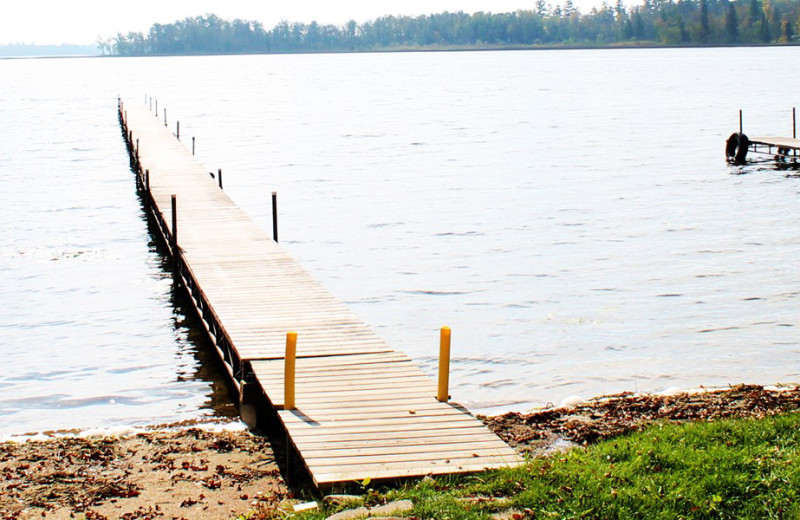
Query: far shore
(30,50)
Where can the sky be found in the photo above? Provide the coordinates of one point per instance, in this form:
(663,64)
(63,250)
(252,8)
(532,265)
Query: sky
(53,22)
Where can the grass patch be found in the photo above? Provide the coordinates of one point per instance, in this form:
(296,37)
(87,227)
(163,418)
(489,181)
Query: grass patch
(742,468)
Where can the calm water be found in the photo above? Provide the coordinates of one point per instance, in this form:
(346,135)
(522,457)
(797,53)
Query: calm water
(568,213)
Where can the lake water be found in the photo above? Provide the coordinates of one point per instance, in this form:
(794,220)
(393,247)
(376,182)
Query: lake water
(568,213)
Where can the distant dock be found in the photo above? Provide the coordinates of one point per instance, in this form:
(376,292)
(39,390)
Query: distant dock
(783,150)
(352,407)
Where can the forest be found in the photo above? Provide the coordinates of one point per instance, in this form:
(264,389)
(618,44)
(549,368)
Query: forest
(654,22)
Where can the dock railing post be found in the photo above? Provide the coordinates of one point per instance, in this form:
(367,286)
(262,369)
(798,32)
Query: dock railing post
(275,216)
(174,240)
(740,120)
(165,117)
(192,145)
(289,372)
(794,123)
(156,108)
(444,365)
(219,177)
(147,187)
(178,131)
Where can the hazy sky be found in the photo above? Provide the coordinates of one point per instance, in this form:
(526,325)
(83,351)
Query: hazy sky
(83,21)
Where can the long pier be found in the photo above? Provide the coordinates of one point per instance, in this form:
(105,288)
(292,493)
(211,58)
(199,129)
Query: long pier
(359,409)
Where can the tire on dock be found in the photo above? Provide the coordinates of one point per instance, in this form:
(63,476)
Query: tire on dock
(736,148)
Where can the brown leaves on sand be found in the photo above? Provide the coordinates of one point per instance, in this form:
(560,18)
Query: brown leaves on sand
(615,415)
(91,477)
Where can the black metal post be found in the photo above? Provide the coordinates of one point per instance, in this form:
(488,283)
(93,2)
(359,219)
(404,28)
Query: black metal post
(175,230)
(178,131)
(794,123)
(165,117)
(275,216)
(192,145)
(740,121)
(219,177)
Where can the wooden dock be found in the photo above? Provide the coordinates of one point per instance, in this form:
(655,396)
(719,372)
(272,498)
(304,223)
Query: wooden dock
(785,151)
(362,410)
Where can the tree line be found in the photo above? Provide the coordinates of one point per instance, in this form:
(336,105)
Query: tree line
(658,22)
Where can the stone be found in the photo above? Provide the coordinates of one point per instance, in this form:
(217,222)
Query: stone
(384,511)
(338,500)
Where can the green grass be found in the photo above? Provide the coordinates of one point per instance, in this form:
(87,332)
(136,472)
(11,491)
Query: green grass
(727,469)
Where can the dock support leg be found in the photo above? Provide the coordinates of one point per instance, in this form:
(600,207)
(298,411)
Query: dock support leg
(174,237)
(248,403)
(146,188)
(288,450)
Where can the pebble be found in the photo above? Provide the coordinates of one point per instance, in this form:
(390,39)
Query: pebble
(572,401)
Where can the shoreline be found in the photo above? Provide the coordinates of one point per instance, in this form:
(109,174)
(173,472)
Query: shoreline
(215,470)
(422,49)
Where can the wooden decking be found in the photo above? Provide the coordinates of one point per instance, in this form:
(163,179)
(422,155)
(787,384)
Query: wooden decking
(363,410)
(777,142)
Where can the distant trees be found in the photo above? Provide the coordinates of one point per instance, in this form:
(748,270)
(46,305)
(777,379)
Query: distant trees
(665,22)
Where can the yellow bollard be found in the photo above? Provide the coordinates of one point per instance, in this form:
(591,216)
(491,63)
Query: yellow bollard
(444,365)
(288,373)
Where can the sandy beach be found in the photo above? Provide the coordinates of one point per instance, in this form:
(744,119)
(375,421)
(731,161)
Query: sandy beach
(211,473)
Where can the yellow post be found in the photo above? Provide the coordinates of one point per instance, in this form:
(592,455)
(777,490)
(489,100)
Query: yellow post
(444,365)
(288,373)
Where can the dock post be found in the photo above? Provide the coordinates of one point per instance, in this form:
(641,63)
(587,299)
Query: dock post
(444,365)
(794,123)
(275,216)
(219,177)
(147,187)
(248,403)
(740,120)
(165,117)
(156,108)
(192,145)
(151,104)
(289,371)
(178,131)
(174,241)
